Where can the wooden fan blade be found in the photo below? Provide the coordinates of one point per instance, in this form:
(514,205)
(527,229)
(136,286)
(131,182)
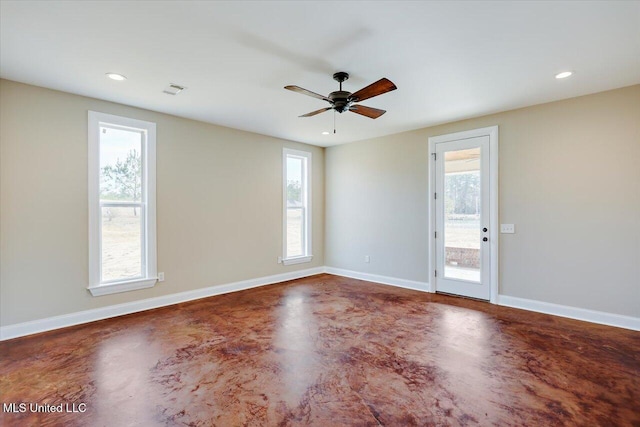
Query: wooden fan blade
(373,113)
(307,92)
(374,89)
(313,113)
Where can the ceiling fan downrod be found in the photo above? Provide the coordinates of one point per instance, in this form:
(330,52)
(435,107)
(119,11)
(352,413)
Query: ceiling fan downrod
(340,77)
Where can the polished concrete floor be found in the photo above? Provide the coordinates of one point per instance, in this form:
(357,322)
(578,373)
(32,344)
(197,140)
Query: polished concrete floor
(327,351)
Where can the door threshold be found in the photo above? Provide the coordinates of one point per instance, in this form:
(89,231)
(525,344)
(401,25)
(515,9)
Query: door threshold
(462,296)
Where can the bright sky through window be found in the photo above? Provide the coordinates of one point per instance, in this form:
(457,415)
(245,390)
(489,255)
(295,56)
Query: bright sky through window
(115,144)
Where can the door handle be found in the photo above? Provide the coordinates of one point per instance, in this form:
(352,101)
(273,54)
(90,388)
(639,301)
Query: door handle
(484,239)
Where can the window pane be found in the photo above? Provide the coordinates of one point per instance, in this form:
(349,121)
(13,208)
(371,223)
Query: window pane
(121,243)
(295,232)
(462,214)
(120,164)
(294,182)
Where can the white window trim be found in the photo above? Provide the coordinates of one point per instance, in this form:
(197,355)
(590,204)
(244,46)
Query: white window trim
(308,244)
(149,169)
(297,260)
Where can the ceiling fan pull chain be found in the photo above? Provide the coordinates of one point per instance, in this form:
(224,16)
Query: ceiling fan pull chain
(334,121)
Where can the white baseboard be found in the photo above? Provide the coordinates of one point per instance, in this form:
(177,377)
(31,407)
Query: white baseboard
(385,280)
(600,317)
(592,316)
(56,322)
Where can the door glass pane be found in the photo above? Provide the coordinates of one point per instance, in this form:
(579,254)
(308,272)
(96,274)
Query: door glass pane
(121,243)
(295,232)
(120,164)
(462,214)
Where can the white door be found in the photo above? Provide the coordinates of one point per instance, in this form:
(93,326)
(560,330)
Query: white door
(463,217)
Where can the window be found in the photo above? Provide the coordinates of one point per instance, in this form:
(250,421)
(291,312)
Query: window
(297,206)
(122,210)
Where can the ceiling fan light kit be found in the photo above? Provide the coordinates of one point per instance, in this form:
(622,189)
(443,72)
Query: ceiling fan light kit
(342,101)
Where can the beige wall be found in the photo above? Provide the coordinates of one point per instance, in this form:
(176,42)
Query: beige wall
(569,181)
(219,204)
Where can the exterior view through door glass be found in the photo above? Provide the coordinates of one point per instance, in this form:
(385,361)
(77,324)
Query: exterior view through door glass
(462,203)
(462,217)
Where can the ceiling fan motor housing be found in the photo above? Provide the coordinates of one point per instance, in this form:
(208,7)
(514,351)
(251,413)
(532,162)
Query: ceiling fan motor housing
(340,100)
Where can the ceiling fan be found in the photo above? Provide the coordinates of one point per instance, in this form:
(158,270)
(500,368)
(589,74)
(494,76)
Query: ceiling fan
(342,101)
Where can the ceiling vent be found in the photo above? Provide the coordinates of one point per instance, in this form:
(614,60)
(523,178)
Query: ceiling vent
(173,89)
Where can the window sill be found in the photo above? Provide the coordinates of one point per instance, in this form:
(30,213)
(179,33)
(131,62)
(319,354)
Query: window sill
(297,260)
(116,287)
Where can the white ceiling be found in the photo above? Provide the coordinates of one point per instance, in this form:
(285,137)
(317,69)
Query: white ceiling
(450,60)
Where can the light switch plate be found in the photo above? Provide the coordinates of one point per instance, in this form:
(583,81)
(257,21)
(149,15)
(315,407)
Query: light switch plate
(507,228)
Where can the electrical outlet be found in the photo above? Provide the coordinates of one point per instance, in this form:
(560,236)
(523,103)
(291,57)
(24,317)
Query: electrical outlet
(367,259)
(160,277)
(279,260)
(507,228)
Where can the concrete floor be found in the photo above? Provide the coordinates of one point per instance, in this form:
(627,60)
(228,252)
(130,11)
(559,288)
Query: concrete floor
(326,351)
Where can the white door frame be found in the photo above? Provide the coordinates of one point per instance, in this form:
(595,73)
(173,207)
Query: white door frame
(492,133)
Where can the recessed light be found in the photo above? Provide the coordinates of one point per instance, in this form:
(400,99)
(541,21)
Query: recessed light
(563,75)
(325,133)
(116,76)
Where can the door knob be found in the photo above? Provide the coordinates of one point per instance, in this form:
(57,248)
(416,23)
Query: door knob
(484,239)
(485,229)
